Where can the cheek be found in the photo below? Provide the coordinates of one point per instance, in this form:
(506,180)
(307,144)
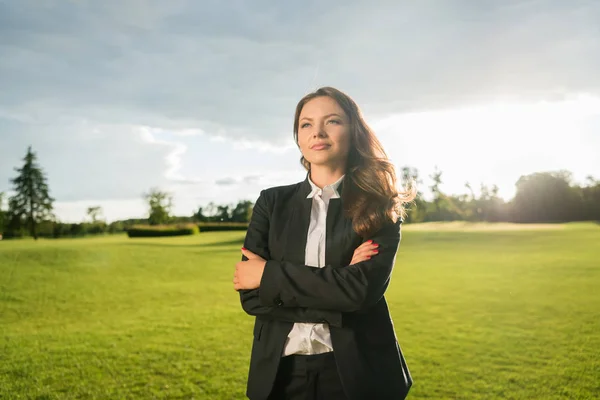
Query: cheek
(302,141)
(344,141)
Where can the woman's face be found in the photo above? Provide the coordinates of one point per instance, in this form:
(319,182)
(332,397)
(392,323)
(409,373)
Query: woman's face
(324,133)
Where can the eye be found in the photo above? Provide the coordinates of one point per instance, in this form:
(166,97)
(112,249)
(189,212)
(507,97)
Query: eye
(305,125)
(335,121)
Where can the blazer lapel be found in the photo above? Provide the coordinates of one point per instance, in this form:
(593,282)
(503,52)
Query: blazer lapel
(298,224)
(338,232)
(333,230)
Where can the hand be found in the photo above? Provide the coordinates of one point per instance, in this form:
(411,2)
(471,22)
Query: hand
(248,273)
(364,252)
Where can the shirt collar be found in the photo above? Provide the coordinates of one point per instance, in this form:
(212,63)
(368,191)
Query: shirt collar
(329,189)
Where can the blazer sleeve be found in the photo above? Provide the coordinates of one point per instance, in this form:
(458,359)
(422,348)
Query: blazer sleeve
(333,287)
(257,240)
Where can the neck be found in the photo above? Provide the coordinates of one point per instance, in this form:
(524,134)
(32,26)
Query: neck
(324,175)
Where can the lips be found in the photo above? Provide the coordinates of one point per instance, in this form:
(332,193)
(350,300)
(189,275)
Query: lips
(320,146)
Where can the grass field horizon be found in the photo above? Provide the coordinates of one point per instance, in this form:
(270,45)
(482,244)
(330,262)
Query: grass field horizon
(482,311)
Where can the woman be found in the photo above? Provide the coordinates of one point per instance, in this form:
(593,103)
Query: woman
(317,259)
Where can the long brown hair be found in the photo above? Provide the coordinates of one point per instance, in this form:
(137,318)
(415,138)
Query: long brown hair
(371,197)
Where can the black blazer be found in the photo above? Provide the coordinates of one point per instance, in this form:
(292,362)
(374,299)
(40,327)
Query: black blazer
(350,298)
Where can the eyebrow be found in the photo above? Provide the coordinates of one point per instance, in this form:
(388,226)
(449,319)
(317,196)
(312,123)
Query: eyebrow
(327,116)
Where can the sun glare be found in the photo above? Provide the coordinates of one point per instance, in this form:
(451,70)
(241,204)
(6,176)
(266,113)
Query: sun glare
(494,143)
(518,120)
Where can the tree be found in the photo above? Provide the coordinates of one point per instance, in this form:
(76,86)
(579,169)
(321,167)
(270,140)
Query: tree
(210,212)
(242,211)
(546,197)
(1,212)
(415,211)
(590,198)
(472,204)
(160,204)
(199,215)
(223,213)
(94,213)
(436,177)
(32,201)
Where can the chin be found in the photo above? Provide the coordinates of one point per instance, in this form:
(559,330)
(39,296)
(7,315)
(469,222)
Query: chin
(320,160)
(329,162)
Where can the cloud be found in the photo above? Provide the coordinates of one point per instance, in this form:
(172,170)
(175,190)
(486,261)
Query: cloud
(117,97)
(173,159)
(237,70)
(244,180)
(225,181)
(252,178)
(85,160)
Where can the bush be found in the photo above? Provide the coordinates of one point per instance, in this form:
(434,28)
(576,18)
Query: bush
(162,230)
(222,226)
(13,235)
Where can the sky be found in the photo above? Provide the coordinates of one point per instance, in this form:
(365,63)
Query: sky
(198,98)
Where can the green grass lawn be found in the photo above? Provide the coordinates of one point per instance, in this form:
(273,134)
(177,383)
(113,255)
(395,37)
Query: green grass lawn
(480,314)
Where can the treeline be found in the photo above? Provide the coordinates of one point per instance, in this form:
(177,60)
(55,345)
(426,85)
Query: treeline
(30,211)
(543,197)
(57,229)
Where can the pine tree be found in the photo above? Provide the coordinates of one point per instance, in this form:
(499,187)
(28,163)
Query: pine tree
(31,203)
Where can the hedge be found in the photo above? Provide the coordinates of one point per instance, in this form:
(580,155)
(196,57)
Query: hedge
(162,230)
(222,226)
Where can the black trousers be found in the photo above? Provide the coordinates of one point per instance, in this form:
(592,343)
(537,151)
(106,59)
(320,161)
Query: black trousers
(308,377)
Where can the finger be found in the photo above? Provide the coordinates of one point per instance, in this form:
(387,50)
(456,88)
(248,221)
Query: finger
(363,245)
(370,244)
(357,258)
(365,252)
(362,256)
(249,254)
(361,249)
(368,249)
(370,253)
(367,246)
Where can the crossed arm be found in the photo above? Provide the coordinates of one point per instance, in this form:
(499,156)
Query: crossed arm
(300,293)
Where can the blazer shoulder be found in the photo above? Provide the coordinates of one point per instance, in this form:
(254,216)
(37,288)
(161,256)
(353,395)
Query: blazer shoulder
(283,191)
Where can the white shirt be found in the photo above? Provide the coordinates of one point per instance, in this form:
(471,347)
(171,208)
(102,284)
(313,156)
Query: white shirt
(309,338)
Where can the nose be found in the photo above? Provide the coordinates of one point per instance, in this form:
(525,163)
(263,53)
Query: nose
(319,132)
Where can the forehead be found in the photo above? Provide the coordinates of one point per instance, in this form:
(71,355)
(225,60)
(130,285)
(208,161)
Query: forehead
(320,106)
